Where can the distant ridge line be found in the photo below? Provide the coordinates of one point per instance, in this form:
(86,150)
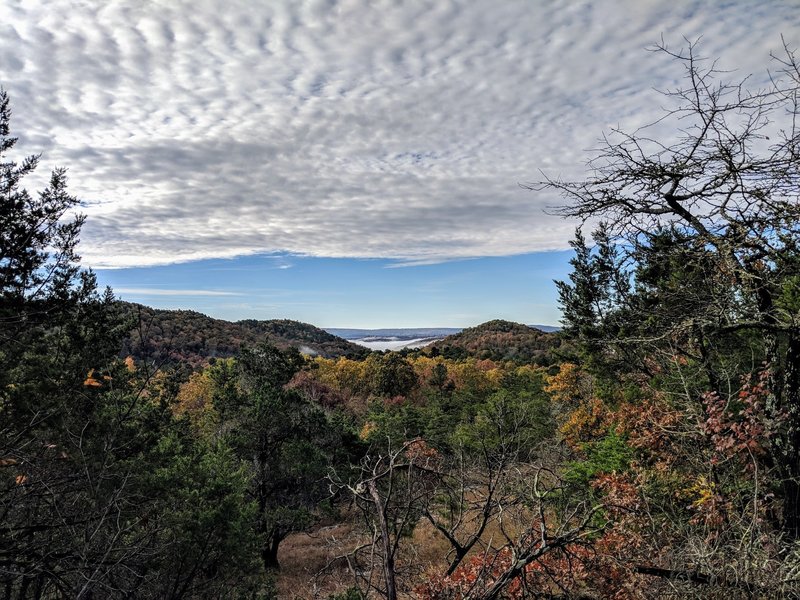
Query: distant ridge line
(354,333)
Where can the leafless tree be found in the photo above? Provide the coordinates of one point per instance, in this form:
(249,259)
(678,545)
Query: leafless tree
(722,185)
(392,487)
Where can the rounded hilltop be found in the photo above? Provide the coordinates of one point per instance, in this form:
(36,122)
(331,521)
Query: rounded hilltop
(501,340)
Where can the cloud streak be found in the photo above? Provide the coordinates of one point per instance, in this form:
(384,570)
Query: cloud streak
(123,291)
(342,128)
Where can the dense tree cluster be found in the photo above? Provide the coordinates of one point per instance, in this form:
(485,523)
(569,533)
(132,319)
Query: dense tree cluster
(102,492)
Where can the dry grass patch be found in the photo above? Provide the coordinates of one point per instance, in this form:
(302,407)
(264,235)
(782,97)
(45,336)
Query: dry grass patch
(310,563)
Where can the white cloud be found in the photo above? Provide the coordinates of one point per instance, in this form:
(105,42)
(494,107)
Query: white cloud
(349,128)
(129,291)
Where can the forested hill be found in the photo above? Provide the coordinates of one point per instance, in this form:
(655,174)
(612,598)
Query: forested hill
(192,337)
(501,340)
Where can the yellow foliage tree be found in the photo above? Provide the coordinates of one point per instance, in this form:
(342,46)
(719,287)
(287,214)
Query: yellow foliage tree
(570,387)
(195,402)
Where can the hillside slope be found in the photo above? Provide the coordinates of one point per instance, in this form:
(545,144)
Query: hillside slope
(192,337)
(500,340)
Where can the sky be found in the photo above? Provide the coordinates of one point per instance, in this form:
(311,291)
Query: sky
(349,163)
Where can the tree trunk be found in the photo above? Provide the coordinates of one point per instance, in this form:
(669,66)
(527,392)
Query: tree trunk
(269,554)
(386,543)
(500,584)
(791,443)
(791,507)
(783,410)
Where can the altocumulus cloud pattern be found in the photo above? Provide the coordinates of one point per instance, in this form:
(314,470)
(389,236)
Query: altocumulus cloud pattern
(199,129)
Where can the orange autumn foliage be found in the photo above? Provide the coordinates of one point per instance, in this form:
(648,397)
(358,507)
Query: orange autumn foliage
(91,381)
(653,425)
(569,387)
(559,569)
(586,423)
